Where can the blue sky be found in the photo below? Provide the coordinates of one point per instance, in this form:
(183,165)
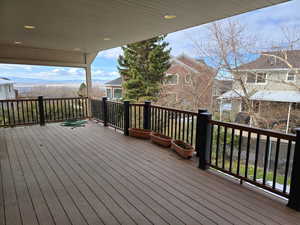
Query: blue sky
(264,23)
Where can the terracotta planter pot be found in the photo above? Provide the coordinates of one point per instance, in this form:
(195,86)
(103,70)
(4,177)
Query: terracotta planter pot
(160,139)
(186,153)
(139,133)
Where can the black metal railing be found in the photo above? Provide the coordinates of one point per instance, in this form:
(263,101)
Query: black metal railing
(267,159)
(178,124)
(136,115)
(115,115)
(97,109)
(108,112)
(59,109)
(16,112)
(261,157)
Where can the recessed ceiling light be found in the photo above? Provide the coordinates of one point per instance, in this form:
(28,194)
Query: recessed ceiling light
(169,17)
(76,49)
(29,27)
(106,39)
(18,42)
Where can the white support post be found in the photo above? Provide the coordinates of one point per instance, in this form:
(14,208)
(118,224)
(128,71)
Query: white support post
(88,78)
(288,118)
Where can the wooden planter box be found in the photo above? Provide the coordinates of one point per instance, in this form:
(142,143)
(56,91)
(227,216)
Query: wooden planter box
(161,139)
(139,133)
(186,152)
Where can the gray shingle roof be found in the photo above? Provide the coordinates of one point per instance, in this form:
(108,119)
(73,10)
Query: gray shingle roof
(115,82)
(269,62)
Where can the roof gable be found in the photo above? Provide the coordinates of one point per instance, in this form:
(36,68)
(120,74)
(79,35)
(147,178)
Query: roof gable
(192,64)
(270,60)
(115,82)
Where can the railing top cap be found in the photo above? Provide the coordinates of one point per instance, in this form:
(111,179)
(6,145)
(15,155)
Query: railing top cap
(297,130)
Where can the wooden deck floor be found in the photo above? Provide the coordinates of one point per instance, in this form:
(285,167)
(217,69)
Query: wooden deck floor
(94,175)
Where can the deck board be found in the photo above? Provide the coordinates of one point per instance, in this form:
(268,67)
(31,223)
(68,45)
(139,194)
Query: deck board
(94,175)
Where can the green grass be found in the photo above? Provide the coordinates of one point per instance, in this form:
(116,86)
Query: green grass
(259,172)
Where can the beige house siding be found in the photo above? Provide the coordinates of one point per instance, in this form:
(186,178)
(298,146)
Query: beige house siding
(276,80)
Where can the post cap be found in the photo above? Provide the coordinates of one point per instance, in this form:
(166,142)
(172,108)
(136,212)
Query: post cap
(297,130)
(202,110)
(147,102)
(105,97)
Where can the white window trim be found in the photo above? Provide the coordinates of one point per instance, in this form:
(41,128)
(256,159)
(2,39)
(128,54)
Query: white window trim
(257,83)
(113,91)
(172,74)
(188,82)
(292,81)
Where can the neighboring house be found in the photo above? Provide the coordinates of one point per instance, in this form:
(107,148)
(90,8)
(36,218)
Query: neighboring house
(188,84)
(7,89)
(273,88)
(220,87)
(113,88)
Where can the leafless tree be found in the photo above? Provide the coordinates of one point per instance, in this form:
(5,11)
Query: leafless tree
(230,45)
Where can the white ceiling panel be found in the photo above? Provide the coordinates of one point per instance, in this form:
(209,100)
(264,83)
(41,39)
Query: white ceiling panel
(84,24)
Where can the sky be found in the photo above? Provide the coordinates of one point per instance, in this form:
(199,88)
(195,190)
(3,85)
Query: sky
(263,23)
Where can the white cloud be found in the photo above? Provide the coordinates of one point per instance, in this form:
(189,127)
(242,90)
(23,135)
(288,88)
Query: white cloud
(57,70)
(97,72)
(266,24)
(110,53)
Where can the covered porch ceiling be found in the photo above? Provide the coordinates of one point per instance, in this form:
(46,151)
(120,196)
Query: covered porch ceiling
(66,31)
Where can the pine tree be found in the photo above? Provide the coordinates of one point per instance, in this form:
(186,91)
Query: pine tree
(143,66)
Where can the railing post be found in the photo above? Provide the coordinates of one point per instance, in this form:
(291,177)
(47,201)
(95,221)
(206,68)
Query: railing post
(294,197)
(198,130)
(126,118)
(41,110)
(104,108)
(204,137)
(147,115)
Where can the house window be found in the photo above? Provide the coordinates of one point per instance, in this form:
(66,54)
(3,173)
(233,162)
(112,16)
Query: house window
(261,77)
(9,88)
(188,79)
(108,93)
(251,78)
(291,76)
(258,78)
(296,106)
(117,93)
(172,79)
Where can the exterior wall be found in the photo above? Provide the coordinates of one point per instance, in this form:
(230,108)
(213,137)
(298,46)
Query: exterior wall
(235,108)
(7,91)
(183,94)
(113,89)
(276,81)
(220,87)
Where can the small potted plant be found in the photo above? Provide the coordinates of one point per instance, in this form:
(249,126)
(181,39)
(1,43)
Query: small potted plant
(183,149)
(160,139)
(139,133)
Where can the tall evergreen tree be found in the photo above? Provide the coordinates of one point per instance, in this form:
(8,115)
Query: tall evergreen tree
(143,66)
